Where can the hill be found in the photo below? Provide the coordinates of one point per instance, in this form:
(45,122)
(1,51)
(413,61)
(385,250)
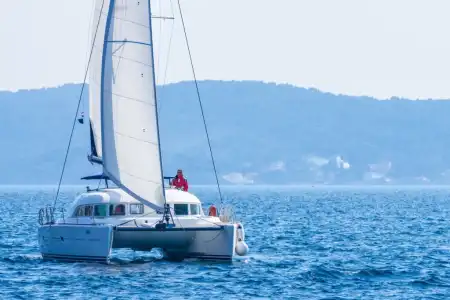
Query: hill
(261,133)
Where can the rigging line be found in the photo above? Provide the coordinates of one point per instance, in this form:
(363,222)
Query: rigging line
(167,58)
(160,39)
(176,216)
(91,17)
(167,64)
(200,102)
(170,42)
(172,10)
(121,47)
(168,53)
(78,108)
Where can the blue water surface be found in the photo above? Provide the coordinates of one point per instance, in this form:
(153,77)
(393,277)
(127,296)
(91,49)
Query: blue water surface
(305,243)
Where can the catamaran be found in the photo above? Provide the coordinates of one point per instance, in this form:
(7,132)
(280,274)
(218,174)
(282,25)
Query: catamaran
(140,212)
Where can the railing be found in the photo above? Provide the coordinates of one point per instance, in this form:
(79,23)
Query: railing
(227,214)
(169,180)
(47,215)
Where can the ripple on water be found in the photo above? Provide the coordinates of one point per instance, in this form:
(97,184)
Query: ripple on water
(304,243)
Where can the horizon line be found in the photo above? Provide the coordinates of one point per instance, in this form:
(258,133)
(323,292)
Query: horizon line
(308,186)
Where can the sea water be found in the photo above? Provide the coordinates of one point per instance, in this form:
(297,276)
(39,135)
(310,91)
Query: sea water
(305,243)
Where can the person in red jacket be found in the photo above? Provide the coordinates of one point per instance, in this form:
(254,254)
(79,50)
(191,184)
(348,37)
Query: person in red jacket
(180,182)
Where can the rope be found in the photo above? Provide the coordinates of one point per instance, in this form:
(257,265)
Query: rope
(200,102)
(78,108)
(99,182)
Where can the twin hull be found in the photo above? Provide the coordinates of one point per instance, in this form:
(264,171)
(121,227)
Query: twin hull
(95,242)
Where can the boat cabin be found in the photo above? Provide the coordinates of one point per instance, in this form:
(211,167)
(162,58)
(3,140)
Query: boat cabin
(117,203)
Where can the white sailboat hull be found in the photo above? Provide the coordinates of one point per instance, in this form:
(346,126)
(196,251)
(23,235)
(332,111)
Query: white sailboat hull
(88,238)
(215,243)
(69,242)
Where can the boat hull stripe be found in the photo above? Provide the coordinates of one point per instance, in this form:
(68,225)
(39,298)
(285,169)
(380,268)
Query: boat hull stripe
(169,229)
(210,257)
(75,258)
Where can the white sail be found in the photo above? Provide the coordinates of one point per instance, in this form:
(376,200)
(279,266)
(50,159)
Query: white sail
(95,71)
(131,156)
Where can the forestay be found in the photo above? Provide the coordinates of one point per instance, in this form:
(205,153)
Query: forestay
(131,155)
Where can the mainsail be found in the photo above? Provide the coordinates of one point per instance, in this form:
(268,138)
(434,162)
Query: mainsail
(129,124)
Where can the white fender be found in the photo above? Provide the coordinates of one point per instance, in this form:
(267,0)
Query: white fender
(241,247)
(240,232)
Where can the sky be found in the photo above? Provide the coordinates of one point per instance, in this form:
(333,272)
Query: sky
(379,48)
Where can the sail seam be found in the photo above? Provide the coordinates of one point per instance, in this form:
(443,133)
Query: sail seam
(140,178)
(134,138)
(131,98)
(126,189)
(132,60)
(132,22)
(132,42)
(126,20)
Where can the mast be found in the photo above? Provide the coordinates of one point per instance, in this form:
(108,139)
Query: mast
(156,98)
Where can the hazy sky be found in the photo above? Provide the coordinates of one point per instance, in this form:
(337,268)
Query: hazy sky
(380,48)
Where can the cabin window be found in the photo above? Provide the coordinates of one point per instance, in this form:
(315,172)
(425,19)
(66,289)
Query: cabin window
(181,209)
(136,209)
(195,209)
(80,211)
(101,210)
(84,211)
(117,210)
(88,211)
